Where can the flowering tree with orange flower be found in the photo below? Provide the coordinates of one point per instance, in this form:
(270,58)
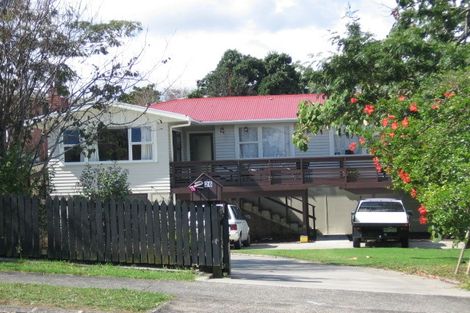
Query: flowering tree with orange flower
(407,97)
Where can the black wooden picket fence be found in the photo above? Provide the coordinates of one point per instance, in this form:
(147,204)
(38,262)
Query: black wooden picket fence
(125,232)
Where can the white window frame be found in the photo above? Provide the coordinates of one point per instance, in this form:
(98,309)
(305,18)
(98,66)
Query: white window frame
(153,144)
(260,140)
(140,143)
(71,146)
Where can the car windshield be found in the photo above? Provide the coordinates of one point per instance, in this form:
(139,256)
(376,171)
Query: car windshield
(381,207)
(236,213)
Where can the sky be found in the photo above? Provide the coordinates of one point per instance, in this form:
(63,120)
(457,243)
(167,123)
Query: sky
(183,40)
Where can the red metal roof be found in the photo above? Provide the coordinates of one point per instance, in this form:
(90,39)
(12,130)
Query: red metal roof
(246,108)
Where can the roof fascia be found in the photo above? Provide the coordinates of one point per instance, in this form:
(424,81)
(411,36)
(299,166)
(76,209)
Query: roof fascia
(231,122)
(141,109)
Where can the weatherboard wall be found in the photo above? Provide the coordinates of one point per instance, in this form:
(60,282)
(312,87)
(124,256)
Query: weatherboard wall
(150,177)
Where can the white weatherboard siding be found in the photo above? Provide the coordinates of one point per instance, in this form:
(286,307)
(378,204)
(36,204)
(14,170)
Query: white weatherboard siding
(318,145)
(151,177)
(224,143)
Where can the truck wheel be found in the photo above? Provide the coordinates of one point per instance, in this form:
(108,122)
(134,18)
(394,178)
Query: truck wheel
(405,243)
(247,242)
(238,244)
(356,242)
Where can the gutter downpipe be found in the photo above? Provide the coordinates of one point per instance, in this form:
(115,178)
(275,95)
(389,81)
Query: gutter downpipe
(186,124)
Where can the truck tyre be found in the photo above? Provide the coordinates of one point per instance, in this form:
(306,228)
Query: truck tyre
(238,244)
(356,242)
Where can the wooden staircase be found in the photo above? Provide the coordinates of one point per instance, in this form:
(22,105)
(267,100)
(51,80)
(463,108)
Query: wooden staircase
(267,214)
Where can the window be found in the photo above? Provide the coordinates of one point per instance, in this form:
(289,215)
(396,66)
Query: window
(276,141)
(72,149)
(113,144)
(264,141)
(141,142)
(248,142)
(381,207)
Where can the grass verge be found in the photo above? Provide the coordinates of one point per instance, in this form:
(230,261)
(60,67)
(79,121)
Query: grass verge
(62,267)
(109,300)
(428,262)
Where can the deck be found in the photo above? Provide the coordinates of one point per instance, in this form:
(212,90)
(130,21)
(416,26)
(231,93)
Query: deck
(281,174)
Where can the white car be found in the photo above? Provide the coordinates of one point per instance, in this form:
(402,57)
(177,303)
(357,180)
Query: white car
(239,231)
(380,219)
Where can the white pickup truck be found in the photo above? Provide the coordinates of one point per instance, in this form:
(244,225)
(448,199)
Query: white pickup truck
(380,219)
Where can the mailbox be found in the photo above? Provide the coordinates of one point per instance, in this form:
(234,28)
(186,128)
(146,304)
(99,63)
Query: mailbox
(205,188)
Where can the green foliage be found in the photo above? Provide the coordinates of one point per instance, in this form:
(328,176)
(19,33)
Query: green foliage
(141,95)
(242,75)
(15,173)
(46,47)
(408,96)
(281,76)
(104,183)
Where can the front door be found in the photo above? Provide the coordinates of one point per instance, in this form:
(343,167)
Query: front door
(201,147)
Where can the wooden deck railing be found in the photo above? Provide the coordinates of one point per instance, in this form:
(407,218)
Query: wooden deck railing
(333,170)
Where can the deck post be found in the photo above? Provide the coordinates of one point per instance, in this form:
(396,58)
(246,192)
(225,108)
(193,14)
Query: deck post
(305,221)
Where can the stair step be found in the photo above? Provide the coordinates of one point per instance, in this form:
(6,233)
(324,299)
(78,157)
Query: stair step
(266,214)
(294,227)
(282,220)
(255,209)
(248,206)
(276,218)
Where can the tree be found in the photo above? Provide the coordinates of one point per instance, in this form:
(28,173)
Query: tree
(175,93)
(243,75)
(142,96)
(235,75)
(104,183)
(407,97)
(47,55)
(281,75)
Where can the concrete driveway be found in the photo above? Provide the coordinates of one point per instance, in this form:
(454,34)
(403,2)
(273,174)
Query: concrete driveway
(282,272)
(269,284)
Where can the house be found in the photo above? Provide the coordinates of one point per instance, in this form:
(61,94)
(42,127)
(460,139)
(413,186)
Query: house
(136,138)
(245,144)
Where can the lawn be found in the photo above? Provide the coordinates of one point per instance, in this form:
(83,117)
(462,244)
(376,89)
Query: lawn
(62,267)
(109,300)
(427,262)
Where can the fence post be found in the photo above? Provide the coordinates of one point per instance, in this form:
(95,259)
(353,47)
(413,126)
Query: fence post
(225,241)
(216,241)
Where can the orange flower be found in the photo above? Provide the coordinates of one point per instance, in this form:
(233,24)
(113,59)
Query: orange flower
(352,146)
(423,220)
(413,107)
(422,210)
(378,167)
(401,98)
(354,100)
(413,193)
(405,177)
(392,134)
(435,106)
(369,109)
(405,122)
(385,122)
(394,125)
(362,140)
(449,94)
(391,116)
